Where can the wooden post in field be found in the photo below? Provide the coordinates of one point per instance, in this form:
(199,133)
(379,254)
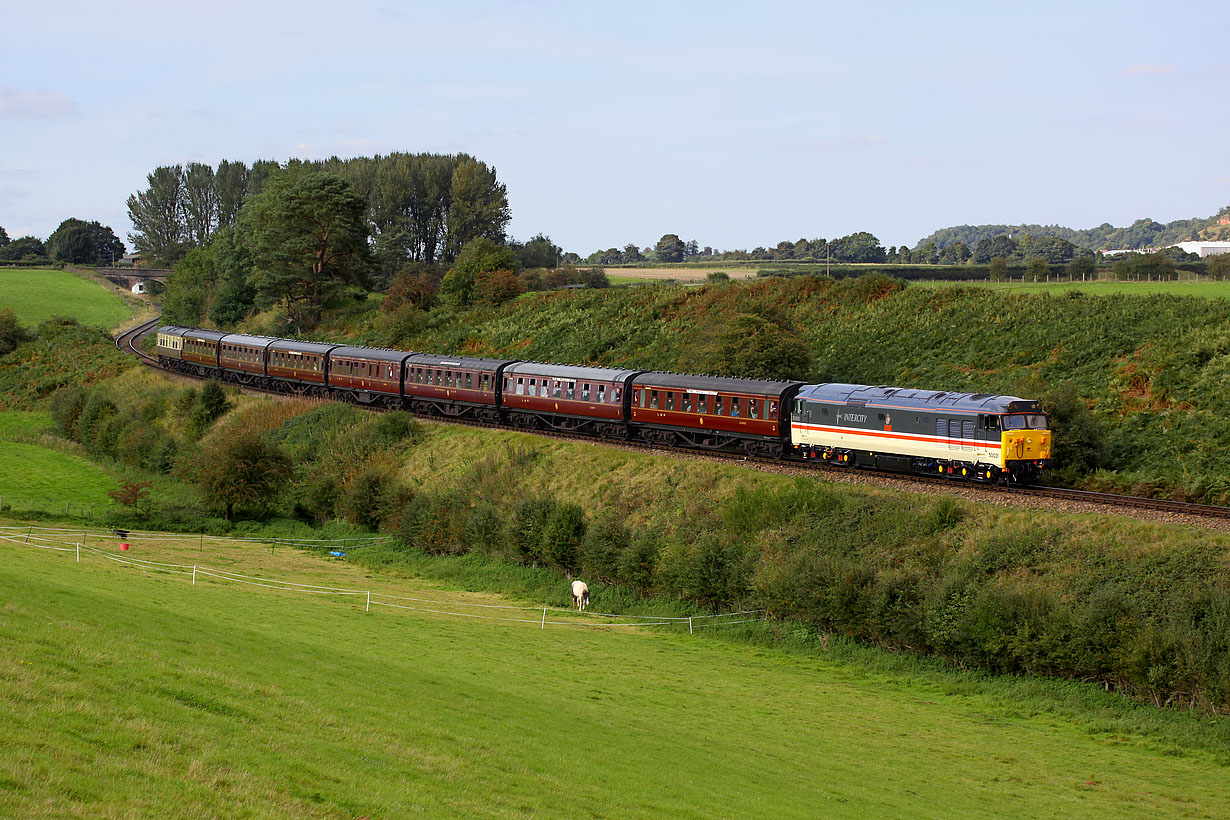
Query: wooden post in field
(544,618)
(369,601)
(689,624)
(194,574)
(78,553)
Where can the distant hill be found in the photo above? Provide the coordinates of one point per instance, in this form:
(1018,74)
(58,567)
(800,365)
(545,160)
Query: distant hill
(1143,233)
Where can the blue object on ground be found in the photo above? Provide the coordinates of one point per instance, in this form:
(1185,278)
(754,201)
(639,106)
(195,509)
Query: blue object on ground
(338,554)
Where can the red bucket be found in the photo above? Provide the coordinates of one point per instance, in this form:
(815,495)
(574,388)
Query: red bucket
(123,545)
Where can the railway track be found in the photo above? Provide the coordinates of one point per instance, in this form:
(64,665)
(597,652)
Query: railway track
(128,342)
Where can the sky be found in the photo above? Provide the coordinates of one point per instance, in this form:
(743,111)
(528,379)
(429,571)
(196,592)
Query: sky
(734,124)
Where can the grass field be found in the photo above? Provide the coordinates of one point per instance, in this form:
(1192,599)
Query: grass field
(132,693)
(37,295)
(1207,289)
(619,276)
(33,477)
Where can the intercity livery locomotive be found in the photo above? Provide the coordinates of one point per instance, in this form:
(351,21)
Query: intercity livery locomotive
(979,437)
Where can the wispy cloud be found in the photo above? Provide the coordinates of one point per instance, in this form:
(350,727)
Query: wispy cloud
(22,105)
(840,144)
(1149,69)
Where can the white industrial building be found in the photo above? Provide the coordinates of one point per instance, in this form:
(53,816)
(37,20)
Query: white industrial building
(1203,249)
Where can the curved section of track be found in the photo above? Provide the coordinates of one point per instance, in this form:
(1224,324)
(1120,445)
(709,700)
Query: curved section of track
(129,342)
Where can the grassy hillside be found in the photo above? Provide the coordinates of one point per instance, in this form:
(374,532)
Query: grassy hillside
(35,475)
(38,295)
(137,694)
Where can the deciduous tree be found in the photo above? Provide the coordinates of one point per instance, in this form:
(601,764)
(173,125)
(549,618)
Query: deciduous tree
(84,243)
(480,255)
(670,248)
(239,470)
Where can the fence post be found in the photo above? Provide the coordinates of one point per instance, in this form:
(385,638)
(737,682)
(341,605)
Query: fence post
(28,531)
(194,574)
(202,542)
(78,553)
(689,624)
(544,618)
(369,601)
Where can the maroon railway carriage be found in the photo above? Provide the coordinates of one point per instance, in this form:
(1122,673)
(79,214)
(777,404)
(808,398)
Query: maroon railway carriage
(299,367)
(713,413)
(242,358)
(454,386)
(200,349)
(567,397)
(367,375)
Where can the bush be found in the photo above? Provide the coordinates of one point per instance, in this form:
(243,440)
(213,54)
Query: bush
(66,407)
(11,332)
(365,500)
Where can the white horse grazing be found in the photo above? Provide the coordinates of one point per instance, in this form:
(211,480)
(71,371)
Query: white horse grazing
(580,595)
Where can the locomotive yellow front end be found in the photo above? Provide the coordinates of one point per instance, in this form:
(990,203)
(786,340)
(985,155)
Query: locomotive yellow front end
(1025,445)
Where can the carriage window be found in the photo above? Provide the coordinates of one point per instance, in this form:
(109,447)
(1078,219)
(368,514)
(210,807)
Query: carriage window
(734,407)
(751,408)
(520,387)
(702,403)
(585,392)
(717,405)
(469,380)
(653,399)
(686,405)
(601,393)
(545,389)
(570,391)
(619,391)
(670,400)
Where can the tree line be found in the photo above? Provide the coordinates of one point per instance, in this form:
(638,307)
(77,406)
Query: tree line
(417,207)
(1143,233)
(76,242)
(853,248)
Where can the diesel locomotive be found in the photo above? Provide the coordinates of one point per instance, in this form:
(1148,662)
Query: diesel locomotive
(978,437)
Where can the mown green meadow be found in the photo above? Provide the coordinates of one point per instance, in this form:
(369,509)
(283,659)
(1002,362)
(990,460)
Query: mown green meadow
(36,476)
(38,295)
(131,693)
